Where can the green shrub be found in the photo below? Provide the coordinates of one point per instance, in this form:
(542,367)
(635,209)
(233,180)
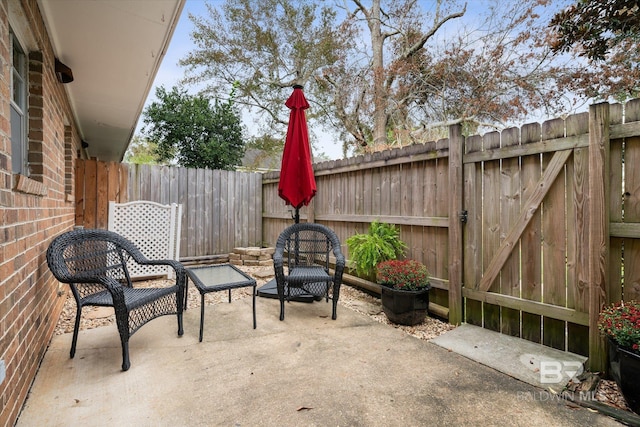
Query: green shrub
(366,251)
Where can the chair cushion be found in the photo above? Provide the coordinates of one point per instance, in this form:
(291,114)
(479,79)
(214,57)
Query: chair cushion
(133,297)
(307,274)
(310,280)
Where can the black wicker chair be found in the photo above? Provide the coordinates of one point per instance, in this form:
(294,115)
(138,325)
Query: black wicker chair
(94,263)
(305,249)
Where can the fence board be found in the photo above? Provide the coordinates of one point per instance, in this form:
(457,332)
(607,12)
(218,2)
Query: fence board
(367,195)
(599,184)
(441,235)
(554,244)
(123,182)
(91,195)
(80,191)
(577,235)
(616,197)
(102,201)
(472,271)
(113,180)
(510,209)
(491,225)
(428,236)
(577,181)
(531,239)
(455,249)
(632,207)
(183,198)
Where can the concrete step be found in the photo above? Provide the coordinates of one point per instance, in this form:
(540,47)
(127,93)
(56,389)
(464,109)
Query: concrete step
(532,363)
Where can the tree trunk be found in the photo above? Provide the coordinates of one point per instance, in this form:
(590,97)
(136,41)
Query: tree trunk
(379,91)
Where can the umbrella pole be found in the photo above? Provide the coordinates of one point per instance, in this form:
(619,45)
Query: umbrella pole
(297,240)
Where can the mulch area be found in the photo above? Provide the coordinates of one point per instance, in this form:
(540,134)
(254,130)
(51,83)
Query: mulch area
(606,392)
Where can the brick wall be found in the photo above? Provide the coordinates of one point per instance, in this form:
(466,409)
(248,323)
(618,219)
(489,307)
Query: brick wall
(33,210)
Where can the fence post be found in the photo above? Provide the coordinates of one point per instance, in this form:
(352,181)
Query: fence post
(598,250)
(311,211)
(456,146)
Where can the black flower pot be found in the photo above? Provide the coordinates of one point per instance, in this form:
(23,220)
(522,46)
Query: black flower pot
(614,360)
(405,307)
(624,368)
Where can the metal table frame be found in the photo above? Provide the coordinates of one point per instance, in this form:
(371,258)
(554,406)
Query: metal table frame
(220,277)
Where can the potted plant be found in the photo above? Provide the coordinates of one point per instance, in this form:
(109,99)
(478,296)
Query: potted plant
(381,242)
(620,323)
(405,290)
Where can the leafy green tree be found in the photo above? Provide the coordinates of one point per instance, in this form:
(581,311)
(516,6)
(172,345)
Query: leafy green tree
(596,26)
(263,152)
(607,34)
(142,151)
(197,134)
(265,47)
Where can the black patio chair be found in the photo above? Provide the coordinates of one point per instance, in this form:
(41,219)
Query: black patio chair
(306,249)
(95,265)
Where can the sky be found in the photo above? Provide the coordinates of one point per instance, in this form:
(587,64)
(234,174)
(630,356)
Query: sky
(170,73)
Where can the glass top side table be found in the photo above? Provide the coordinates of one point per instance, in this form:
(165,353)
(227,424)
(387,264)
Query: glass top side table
(220,277)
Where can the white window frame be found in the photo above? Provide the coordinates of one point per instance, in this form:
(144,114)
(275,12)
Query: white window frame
(19,107)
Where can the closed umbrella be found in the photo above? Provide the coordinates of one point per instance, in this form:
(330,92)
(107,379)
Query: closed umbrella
(297,184)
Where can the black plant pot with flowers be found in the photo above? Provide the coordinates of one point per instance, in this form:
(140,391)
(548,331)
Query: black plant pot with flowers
(405,307)
(404,291)
(620,323)
(624,368)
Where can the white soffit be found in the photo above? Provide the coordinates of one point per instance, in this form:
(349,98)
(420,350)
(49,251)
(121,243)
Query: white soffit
(114,49)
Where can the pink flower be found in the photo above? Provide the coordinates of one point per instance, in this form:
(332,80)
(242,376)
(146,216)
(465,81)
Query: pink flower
(407,275)
(621,323)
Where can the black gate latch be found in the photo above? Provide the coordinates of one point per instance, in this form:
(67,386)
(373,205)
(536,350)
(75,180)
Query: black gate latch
(463,216)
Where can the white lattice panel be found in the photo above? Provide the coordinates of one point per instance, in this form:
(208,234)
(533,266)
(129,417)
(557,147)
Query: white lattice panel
(154,228)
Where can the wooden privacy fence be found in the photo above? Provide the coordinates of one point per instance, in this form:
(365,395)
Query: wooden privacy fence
(408,187)
(221,209)
(528,231)
(97,184)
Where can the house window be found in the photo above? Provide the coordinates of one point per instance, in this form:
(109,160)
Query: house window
(19,89)
(68,160)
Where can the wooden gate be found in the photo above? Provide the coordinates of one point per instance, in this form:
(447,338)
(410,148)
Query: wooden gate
(550,234)
(526,234)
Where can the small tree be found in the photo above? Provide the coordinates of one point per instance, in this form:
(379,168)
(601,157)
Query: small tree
(606,34)
(194,132)
(141,151)
(596,26)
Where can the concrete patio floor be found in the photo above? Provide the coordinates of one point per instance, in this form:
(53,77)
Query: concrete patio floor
(308,370)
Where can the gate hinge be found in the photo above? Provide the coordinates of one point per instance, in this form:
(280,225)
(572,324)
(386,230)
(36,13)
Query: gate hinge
(463,215)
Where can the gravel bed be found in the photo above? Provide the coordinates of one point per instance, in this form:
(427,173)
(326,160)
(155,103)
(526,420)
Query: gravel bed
(350,297)
(607,392)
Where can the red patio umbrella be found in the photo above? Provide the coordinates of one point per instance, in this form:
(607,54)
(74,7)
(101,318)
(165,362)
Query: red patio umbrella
(297,184)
